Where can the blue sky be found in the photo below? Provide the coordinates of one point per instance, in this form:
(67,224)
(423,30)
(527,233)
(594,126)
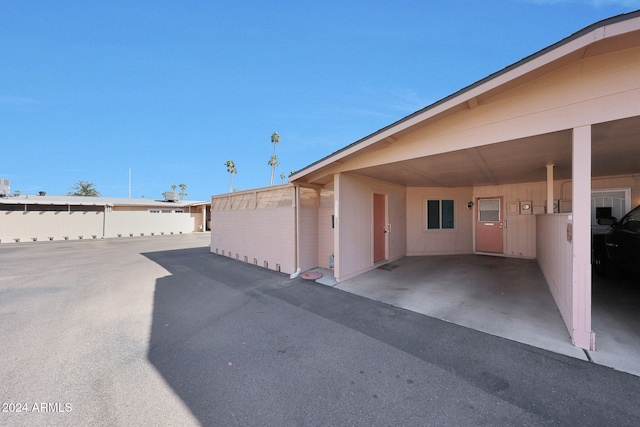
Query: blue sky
(174,89)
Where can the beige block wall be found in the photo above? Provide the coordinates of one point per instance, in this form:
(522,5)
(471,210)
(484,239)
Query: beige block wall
(354,253)
(27,226)
(142,222)
(421,241)
(49,225)
(266,235)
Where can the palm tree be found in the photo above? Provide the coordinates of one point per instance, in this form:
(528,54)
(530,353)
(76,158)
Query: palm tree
(282,177)
(83,188)
(273,162)
(231,168)
(182,193)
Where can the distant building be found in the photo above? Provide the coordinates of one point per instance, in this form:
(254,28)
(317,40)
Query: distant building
(41,217)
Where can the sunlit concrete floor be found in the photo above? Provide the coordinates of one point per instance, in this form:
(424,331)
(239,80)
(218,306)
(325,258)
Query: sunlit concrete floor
(506,297)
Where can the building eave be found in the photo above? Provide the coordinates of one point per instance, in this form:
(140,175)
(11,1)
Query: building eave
(577,42)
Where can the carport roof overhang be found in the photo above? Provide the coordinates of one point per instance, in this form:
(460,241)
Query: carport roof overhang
(614,152)
(503,162)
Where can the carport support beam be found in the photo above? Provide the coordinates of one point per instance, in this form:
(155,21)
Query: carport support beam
(580,233)
(550,188)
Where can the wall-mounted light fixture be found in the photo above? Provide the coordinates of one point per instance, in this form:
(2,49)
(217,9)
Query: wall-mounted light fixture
(469,205)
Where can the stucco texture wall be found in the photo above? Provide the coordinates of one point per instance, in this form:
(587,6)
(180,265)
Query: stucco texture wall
(51,225)
(308,228)
(124,223)
(29,226)
(421,241)
(326,235)
(554,255)
(354,252)
(257,227)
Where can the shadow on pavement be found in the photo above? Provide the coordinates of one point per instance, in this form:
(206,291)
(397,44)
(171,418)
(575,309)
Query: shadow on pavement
(242,345)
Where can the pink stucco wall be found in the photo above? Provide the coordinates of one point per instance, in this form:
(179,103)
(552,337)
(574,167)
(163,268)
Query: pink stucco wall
(325,226)
(421,241)
(308,220)
(354,222)
(257,227)
(554,255)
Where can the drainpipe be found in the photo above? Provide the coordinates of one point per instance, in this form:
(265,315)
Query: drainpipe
(297,233)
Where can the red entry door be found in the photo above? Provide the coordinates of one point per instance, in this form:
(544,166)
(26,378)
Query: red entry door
(489,225)
(379,231)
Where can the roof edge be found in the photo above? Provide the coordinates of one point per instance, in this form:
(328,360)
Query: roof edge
(578,34)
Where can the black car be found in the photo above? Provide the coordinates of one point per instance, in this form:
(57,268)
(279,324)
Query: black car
(618,249)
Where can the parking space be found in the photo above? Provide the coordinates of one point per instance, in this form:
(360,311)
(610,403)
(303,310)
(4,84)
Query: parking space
(616,322)
(509,298)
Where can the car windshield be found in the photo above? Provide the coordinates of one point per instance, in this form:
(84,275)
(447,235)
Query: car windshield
(631,221)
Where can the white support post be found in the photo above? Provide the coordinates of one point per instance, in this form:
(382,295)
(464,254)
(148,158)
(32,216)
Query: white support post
(581,335)
(550,188)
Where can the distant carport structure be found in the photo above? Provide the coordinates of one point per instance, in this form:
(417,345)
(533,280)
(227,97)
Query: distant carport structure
(504,167)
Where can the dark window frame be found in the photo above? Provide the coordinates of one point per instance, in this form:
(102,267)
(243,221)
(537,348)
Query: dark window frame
(440,214)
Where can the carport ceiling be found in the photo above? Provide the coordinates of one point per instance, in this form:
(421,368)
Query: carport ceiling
(615,149)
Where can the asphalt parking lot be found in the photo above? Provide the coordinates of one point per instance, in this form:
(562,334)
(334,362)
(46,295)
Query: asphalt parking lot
(159,331)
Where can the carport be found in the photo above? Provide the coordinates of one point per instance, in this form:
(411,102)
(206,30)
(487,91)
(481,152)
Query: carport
(614,164)
(506,297)
(535,138)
